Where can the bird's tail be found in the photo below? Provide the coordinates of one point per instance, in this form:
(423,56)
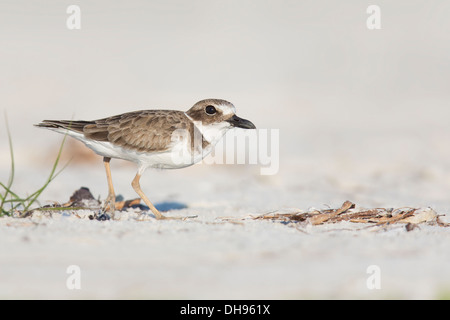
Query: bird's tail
(70,125)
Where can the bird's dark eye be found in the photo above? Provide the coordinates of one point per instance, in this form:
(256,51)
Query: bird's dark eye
(210,109)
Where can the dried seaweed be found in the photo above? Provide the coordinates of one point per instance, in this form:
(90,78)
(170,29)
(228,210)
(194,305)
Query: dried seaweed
(349,212)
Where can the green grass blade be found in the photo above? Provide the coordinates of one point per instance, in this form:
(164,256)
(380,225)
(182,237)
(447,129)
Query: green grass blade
(12,171)
(14,200)
(53,174)
(8,190)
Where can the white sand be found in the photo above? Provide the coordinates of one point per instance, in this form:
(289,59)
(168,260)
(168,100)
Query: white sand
(209,257)
(362,116)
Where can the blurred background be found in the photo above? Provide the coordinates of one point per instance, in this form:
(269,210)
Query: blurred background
(363,115)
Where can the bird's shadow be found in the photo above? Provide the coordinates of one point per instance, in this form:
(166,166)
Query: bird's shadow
(163,206)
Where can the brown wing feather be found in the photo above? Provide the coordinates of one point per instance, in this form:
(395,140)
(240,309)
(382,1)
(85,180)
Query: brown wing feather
(144,131)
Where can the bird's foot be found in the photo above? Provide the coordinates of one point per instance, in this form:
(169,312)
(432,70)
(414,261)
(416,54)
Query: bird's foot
(110,205)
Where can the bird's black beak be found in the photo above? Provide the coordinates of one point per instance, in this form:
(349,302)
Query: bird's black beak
(237,122)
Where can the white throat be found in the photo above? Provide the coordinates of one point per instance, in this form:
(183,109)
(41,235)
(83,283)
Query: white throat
(212,132)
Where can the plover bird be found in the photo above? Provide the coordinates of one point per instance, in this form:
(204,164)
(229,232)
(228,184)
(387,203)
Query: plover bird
(166,139)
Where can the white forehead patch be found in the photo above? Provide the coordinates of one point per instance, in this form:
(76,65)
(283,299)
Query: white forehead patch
(227,109)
